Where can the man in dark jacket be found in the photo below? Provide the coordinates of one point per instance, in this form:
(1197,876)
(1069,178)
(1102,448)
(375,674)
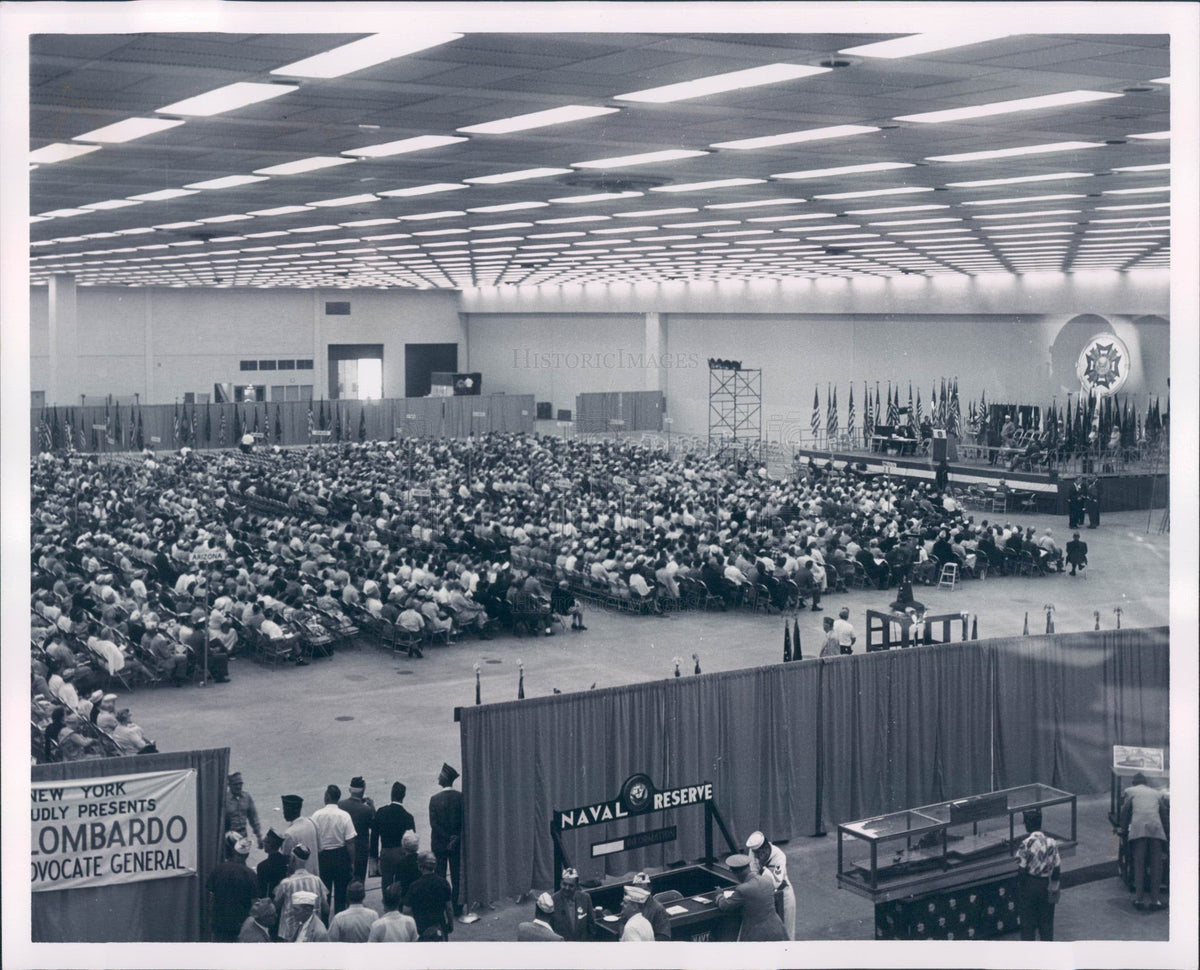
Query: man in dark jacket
(754,896)
(445,823)
(573,915)
(387,833)
(231,889)
(1077,553)
(362,813)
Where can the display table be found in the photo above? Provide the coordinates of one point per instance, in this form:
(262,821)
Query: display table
(888,629)
(948,867)
(699,920)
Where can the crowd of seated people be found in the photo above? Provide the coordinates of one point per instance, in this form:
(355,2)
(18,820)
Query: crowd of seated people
(66,726)
(143,569)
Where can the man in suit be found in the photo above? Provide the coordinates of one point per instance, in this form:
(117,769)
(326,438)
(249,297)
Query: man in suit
(259,924)
(539,930)
(445,823)
(387,833)
(573,917)
(754,896)
(1077,553)
(362,812)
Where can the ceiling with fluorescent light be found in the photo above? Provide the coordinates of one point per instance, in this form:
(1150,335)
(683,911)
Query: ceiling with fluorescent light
(361,228)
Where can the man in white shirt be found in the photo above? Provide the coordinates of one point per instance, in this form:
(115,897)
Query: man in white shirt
(844,630)
(336,836)
(353,924)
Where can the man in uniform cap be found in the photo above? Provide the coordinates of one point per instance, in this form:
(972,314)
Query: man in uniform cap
(653,910)
(259,925)
(311,927)
(274,868)
(231,889)
(573,915)
(241,814)
(300,880)
(362,812)
(769,858)
(445,823)
(539,930)
(387,833)
(637,928)
(754,896)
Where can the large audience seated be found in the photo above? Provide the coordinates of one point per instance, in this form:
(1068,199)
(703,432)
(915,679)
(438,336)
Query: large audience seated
(143,567)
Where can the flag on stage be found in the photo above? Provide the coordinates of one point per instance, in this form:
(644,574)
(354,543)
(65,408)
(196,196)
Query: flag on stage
(878,414)
(893,411)
(362,423)
(256,417)
(920,413)
(310,418)
(850,412)
(175,426)
(816,417)
(69,430)
(118,434)
(868,419)
(140,440)
(912,415)
(44,435)
(55,429)
(221,439)
(337,409)
(208,423)
(323,424)
(278,427)
(831,426)
(954,418)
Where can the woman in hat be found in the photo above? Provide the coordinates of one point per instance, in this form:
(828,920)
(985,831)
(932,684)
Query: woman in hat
(754,897)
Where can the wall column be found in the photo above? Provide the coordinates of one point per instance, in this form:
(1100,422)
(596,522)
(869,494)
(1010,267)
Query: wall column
(63,341)
(148,348)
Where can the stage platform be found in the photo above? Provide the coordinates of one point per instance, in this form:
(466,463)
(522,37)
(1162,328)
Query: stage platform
(1131,490)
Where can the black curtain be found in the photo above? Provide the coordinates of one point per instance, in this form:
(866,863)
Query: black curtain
(897,729)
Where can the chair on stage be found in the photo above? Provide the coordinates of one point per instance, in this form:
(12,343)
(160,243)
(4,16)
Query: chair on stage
(949,577)
(1027,501)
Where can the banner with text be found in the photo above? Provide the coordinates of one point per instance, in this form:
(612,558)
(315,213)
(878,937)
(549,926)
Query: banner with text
(102,831)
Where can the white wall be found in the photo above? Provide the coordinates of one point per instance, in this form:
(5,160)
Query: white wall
(162,343)
(556,356)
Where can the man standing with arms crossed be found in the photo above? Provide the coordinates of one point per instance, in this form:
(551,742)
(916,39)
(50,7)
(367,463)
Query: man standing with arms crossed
(445,823)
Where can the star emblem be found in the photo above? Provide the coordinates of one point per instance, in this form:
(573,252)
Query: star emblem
(1104,363)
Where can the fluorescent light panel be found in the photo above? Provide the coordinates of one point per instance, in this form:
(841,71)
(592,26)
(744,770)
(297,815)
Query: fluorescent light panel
(60,152)
(423,189)
(1153,135)
(645,158)
(519,176)
(596,197)
(1005,107)
(538,119)
(128,130)
(228,98)
(795,137)
(754,203)
(1024,198)
(228,182)
(1045,149)
(364,53)
(419,143)
(718,83)
(163,194)
(704,186)
(346,200)
(1162,167)
(312,164)
(112,204)
(902,190)
(815,173)
(1048,177)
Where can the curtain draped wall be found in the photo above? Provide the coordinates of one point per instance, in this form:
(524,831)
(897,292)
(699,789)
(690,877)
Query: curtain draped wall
(866,734)
(639,410)
(382,420)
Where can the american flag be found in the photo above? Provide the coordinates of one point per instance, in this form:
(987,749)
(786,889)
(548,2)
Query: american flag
(850,411)
(831,421)
(310,418)
(816,416)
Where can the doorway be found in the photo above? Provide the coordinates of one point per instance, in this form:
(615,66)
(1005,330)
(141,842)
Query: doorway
(421,360)
(356,372)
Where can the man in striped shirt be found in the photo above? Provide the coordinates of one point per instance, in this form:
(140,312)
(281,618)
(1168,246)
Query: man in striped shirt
(300,881)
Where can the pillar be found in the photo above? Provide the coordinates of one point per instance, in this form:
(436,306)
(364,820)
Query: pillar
(63,345)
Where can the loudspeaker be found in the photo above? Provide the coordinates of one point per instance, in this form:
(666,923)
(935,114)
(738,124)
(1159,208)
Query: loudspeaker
(544,410)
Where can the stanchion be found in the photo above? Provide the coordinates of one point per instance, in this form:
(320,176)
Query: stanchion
(796,639)
(1025,632)
(521,681)
(787,642)
(1049,608)
(696,658)
(975,627)
(1097,619)
(478,696)
(1118,611)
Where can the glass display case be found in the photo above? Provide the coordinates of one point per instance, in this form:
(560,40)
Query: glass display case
(949,844)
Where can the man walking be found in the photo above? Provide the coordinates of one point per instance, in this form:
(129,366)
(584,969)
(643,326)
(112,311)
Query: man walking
(335,836)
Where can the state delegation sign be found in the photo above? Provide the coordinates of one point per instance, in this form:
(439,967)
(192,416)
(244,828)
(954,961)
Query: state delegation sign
(107,830)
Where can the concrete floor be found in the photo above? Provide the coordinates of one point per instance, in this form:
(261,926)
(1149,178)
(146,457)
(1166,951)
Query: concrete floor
(366,712)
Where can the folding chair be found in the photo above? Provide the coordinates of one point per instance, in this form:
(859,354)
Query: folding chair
(949,577)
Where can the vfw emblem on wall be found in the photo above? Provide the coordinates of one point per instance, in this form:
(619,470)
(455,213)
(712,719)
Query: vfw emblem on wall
(1103,365)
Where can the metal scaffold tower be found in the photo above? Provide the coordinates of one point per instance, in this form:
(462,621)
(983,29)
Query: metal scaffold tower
(734,404)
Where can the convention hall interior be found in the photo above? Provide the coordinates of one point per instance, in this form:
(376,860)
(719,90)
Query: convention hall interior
(695,444)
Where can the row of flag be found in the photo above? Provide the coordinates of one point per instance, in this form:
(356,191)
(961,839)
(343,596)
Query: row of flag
(191,426)
(1091,421)
(944,410)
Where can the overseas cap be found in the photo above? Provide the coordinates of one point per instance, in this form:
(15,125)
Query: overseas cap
(545,903)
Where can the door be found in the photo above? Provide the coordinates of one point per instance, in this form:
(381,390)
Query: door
(356,372)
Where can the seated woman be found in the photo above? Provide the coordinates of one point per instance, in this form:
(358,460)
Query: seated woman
(564,603)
